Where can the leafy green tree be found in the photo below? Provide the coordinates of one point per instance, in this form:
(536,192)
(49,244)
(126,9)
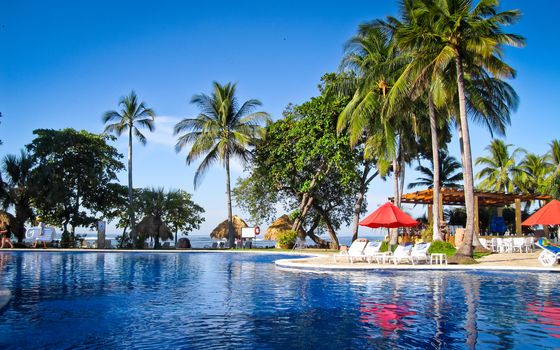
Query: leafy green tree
(448,175)
(174,208)
(304,165)
(464,38)
(182,214)
(500,168)
(18,189)
(132,116)
(221,131)
(73,178)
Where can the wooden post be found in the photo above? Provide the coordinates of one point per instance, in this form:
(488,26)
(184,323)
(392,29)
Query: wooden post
(518,216)
(430,213)
(476,222)
(440,205)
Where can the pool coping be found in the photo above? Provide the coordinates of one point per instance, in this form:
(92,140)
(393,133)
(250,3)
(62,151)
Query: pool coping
(298,266)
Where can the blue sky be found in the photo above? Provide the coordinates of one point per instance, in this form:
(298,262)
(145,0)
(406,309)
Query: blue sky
(64,63)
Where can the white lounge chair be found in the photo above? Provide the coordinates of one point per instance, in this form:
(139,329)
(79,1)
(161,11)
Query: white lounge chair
(402,253)
(371,251)
(550,254)
(356,251)
(420,252)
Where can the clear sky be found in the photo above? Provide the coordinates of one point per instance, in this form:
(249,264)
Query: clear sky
(64,63)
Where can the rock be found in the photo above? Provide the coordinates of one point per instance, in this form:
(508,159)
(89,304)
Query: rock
(183,243)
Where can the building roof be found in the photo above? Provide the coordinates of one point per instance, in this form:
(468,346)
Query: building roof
(456,196)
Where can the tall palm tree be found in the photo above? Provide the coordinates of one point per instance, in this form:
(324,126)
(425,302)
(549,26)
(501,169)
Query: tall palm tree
(500,167)
(222,130)
(462,37)
(534,171)
(448,175)
(132,116)
(553,180)
(371,65)
(18,189)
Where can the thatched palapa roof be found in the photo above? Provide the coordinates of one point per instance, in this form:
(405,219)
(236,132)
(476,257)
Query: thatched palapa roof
(221,231)
(281,224)
(152,226)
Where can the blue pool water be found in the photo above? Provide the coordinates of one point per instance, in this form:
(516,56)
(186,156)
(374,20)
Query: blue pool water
(242,301)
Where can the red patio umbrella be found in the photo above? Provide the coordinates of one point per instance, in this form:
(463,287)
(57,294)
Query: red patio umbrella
(547,215)
(390,216)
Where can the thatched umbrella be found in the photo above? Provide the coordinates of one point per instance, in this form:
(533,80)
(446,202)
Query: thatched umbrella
(281,224)
(221,231)
(153,226)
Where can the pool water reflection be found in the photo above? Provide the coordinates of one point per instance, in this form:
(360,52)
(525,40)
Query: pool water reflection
(221,300)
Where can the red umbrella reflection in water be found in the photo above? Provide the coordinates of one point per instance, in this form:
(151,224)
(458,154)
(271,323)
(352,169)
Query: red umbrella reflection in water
(549,315)
(388,317)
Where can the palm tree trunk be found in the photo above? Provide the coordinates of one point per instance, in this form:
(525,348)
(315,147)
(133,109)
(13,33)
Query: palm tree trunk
(394,236)
(130,198)
(231,230)
(435,158)
(359,202)
(466,247)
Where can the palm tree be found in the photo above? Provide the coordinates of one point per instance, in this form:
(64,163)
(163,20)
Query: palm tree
(500,167)
(222,130)
(132,116)
(553,181)
(448,175)
(533,175)
(370,66)
(464,38)
(18,189)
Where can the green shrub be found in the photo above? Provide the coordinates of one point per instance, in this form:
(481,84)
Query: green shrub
(286,239)
(384,246)
(442,247)
(428,233)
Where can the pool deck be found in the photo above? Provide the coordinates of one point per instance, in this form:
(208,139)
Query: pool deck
(319,260)
(503,262)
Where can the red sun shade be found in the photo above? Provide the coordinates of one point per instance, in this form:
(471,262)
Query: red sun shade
(547,215)
(390,216)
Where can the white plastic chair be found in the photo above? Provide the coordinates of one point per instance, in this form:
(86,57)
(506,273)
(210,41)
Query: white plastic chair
(484,243)
(494,244)
(518,244)
(529,244)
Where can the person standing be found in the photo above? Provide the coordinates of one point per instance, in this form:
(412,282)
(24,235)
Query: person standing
(6,234)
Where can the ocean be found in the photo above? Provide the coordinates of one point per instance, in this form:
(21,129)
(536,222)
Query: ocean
(203,241)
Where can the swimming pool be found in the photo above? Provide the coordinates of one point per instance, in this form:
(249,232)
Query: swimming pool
(242,301)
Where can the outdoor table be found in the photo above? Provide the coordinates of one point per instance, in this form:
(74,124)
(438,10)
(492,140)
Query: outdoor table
(438,258)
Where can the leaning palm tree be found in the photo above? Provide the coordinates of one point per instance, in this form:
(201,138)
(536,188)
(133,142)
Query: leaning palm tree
(132,116)
(18,189)
(448,173)
(222,130)
(462,37)
(500,167)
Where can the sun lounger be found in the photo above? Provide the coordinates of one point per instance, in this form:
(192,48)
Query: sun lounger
(356,250)
(550,254)
(371,251)
(402,253)
(420,252)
